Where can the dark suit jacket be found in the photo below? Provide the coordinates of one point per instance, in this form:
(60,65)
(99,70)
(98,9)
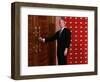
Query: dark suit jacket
(63,40)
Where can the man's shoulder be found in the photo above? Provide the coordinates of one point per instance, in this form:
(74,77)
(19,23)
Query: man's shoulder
(66,29)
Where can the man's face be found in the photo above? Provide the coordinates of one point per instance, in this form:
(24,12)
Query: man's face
(61,23)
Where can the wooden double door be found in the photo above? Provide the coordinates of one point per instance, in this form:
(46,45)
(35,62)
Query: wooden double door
(39,53)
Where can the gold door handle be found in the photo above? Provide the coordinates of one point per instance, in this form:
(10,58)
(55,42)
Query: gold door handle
(35,28)
(36,51)
(39,27)
(39,50)
(33,47)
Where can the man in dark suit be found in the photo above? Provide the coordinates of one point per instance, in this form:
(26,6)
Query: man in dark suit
(63,37)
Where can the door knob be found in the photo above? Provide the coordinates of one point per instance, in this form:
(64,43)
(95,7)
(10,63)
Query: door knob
(39,50)
(35,28)
(39,27)
(33,47)
(36,51)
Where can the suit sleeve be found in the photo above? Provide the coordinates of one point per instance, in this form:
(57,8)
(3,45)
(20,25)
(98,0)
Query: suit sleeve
(67,39)
(51,38)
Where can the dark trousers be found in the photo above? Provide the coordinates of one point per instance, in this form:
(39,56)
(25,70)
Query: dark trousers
(61,58)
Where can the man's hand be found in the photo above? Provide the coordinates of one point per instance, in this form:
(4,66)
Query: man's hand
(41,39)
(65,52)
